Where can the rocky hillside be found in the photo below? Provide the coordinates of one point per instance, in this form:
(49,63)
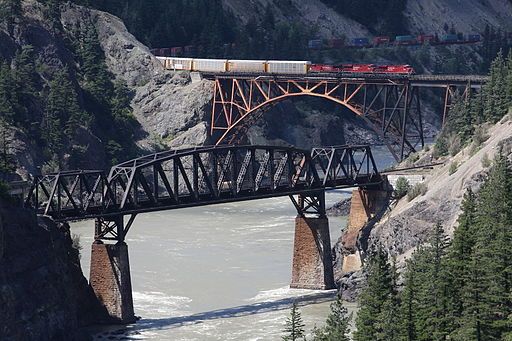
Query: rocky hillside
(43,293)
(409,222)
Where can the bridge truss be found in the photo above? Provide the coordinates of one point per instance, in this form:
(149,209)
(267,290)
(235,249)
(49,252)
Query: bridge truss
(198,177)
(391,106)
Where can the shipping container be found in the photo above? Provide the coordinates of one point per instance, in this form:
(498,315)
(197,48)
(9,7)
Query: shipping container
(176,51)
(426,38)
(166,52)
(360,42)
(258,66)
(315,44)
(210,65)
(190,51)
(474,37)
(288,67)
(336,43)
(405,40)
(382,40)
(450,38)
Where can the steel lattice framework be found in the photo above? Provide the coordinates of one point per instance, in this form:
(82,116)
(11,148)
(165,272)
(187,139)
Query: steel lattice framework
(198,177)
(391,106)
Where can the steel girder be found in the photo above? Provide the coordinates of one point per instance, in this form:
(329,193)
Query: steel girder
(197,177)
(390,107)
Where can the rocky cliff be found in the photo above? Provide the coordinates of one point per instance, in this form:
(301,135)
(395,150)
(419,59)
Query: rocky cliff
(43,293)
(408,224)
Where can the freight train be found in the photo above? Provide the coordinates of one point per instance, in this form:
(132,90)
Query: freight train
(278,67)
(339,43)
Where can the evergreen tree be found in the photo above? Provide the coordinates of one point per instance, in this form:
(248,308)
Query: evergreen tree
(409,303)
(7,162)
(374,300)
(7,94)
(294,326)
(337,324)
(493,261)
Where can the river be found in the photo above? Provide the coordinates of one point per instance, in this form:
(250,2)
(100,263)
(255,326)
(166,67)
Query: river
(217,272)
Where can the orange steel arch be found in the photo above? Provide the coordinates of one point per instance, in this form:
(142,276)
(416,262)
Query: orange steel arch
(237,99)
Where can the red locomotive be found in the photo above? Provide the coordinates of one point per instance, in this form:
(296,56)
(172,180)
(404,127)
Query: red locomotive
(362,68)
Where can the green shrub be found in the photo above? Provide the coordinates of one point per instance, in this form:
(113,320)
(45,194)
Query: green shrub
(480,136)
(486,162)
(401,188)
(453,168)
(417,190)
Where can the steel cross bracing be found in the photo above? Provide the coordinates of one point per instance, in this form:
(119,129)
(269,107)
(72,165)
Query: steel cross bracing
(196,177)
(391,106)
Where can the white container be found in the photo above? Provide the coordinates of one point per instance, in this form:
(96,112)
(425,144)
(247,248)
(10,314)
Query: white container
(257,66)
(288,67)
(172,63)
(210,65)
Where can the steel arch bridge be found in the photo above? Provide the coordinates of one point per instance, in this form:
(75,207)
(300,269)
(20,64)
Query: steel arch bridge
(390,104)
(198,177)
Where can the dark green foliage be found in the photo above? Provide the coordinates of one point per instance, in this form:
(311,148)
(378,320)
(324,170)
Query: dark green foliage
(468,112)
(401,188)
(387,15)
(337,324)
(378,315)
(294,326)
(462,291)
(7,161)
(10,10)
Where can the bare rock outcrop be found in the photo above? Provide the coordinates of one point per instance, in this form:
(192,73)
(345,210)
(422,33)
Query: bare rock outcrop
(43,293)
(409,223)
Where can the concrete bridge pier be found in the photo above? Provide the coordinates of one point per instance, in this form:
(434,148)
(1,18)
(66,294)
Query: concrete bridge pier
(312,259)
(110,273)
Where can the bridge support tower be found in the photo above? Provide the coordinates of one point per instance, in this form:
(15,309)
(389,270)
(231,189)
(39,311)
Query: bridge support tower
(312,259)
(366,204)
(110,270)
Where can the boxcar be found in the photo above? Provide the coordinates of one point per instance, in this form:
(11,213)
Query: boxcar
(360,42)
(405,40)
(176,63)
(288,67)
(315,44)
(382,40)
(258,66)
(210,65)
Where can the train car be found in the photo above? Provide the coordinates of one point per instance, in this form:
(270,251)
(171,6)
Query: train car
(450,38)
(190,51)
(399,69)
(426,38)
(474,38)
(210,65)
(335,43)
(315,44)
(405,40)
(177,51)
(381,40)
(256,66)
(324,68)
(288,67)
(357,68)
(172,63)
(165,52)
(360,42)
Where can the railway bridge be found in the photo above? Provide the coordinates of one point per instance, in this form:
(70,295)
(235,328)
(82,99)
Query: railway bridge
(389,103)
(205,176)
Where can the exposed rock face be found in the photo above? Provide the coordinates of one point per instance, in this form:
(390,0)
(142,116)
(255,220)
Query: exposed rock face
(409,224)
(466,16)
(43,294)
(166,104)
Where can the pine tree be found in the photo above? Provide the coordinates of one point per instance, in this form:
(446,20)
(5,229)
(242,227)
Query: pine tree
(374,298)
(337,324)
(459,262)
(7,94)
(409,303)
(294,326)
(492,258)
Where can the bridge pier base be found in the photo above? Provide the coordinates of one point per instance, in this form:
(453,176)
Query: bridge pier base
(110,280)
(312,260)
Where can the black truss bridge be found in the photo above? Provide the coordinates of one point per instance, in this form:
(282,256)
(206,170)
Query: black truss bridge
(203,176)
